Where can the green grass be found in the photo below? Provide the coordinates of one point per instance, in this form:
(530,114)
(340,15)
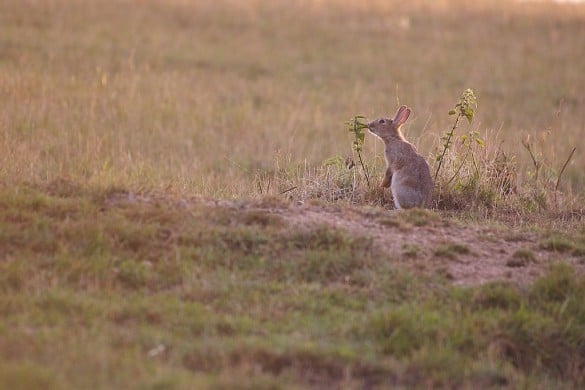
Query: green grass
(451,250)
(98,291)
(571,244)
(410,250)
(521,258)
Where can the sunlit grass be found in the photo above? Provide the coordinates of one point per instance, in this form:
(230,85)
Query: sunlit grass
(202,97)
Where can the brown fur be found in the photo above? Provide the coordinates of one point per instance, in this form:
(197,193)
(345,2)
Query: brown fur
(407,173)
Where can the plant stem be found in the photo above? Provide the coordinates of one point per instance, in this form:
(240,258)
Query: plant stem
(364,169)
(446,145)
(563,170)
(357,128)
(458,169)
(535,162)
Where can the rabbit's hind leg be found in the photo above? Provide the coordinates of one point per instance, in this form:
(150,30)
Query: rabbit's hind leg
(387,178)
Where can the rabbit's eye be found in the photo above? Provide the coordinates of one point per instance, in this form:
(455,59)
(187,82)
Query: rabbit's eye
(382,121)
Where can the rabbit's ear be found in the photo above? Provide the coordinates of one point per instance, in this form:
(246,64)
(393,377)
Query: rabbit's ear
(401,115)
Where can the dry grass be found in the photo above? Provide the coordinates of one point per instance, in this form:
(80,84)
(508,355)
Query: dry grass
(204,97)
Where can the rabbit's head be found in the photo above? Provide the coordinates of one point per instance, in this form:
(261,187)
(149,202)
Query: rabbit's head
(387,128)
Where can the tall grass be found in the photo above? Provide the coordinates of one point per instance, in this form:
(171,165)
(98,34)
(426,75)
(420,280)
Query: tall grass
(206,97)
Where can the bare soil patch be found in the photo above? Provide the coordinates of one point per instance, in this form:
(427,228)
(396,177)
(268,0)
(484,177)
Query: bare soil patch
(467,253)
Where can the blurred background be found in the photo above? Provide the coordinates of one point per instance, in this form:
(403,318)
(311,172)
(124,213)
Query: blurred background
(202,96)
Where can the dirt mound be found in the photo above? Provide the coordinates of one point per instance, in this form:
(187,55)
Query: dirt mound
(426,241)
(465,252)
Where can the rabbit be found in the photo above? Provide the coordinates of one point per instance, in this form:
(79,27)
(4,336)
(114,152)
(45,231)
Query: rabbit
(407,173)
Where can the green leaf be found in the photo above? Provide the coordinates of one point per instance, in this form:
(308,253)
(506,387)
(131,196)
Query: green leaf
(468,113)
(452,112)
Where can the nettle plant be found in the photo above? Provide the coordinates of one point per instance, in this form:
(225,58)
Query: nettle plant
(468,171)
(471,172)
(464,108)
(357,127)
(346,177)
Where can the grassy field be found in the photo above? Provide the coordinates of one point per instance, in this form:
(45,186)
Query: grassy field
(166,220)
